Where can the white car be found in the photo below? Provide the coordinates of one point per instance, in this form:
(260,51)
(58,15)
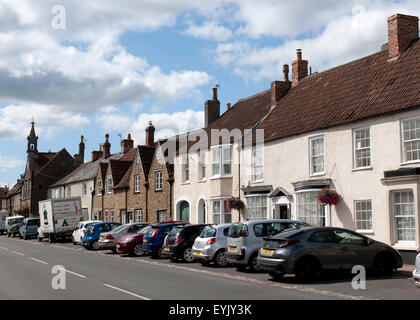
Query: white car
(79,232)
(416,272)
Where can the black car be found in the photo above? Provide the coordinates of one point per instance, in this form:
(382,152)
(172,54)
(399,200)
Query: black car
(179,241)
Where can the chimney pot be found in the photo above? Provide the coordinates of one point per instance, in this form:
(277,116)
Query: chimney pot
(286,72)
(106,147)
(215,94)
(402,31)
(299,68)
(127,144)
(228,106)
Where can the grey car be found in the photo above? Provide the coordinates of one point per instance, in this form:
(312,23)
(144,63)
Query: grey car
(210,246)
(244,239)
(108,240)
(416,272)
(309,251)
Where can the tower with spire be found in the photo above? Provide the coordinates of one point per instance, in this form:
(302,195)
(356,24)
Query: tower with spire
(32,150)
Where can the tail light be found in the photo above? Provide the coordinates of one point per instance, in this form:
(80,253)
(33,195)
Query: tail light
(109,237)
(179,240)
(418,251)
(154,233)
(211,241)
(288,243)
(244,234)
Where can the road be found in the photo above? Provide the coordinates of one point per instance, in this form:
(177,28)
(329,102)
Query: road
(26,273)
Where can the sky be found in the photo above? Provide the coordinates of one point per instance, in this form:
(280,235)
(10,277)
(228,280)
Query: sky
(103,66)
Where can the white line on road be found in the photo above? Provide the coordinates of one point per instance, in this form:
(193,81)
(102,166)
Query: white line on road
(127,292)
(40,261)
(4,248)
(76,274)
(21,254)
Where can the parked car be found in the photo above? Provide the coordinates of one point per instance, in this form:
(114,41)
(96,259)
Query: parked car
(13,224)
(93,232)
(210,245)
(132,244)
(244,239)
(309,251)
(108,240)
(416,272)
(80,230)
(3,215)
(153,239)
(29,228)
(179,241)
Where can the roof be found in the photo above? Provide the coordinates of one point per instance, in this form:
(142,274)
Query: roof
(85,171)
(4,192)
(146,155)
(17,188)
(38,163)
(365,88)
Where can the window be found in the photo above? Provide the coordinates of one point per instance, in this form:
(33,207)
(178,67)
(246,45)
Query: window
(68,192)
(202,165)
(345,237)
(137,159)
(317,155)
(162,215)
(84,189)
(256,207)
(109,185)
(309,210)
(323,236)
(85,214)
(404,217)
(411,140)
(258,164)
(186,170)
(61,192)
(363,216)
(99,187)
(112,215)
(138,215)
(220,213)
(362,157)
(221,161)
(137,183)
(158,181)
(106,216)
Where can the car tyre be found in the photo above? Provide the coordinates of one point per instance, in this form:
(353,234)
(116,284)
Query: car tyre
(74,241)
(20,236)
(253,263)
(8,234)
(138,250)
(39,239)
(384,265)
(307,269)
(95,245)
(188,255)
(25,237)
(276,275)
(220,259)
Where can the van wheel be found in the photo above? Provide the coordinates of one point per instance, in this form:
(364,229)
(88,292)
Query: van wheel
(220,259)
(253,264)
(25,237)
(307,269)
(20,236)
(384,265)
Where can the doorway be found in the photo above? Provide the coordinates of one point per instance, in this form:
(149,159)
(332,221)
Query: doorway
(184,211)
(282,212)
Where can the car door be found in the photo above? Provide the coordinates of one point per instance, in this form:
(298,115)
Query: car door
(323,245)
(354,248)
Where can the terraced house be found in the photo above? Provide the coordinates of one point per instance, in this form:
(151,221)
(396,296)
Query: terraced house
(355,129)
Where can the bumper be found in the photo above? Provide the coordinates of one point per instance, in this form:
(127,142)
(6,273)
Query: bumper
(270,264)
(416,278)
(150,249)
(124,248)
(236,258)
(106,244)
(204,253)
(88,242)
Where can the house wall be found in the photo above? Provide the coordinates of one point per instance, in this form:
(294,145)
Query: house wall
(137,201)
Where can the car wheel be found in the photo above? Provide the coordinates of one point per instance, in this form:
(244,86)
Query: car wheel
(220,259)
(188,255)
(50,238)
(39,239)
(20,236)
(74,241)
(276,275)
(253,264)
(95,245)
(8,234)
(160,254)
(138,250)
(240,267)
(25,237)
(384,265)
(307,269)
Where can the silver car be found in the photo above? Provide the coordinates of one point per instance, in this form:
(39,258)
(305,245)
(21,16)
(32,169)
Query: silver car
(309,251)
(244,239)
(210,245)
(108,240)
(416,272)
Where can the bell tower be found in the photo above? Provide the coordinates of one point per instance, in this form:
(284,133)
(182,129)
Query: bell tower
(32,150)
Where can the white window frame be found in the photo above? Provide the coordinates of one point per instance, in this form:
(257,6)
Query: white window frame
(403,142)
(254,165)
(109,185)
(138,215)
(404,243)
(311,157)
(326,208)
(356,149)
(366,211)
(112,215)
(84,189)
(186,169)
(159,180)
(137,183)
(221,162)
(267,205)
(223,209)
(106,216)
(166,215)
(99,187)
(202,165)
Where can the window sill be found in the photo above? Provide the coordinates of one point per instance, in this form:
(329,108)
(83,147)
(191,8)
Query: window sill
(362,169)
(257,181)
(158,190)
(409,163)
(315,175)
(202,181)
(136,192)
(222,177)
(185,183)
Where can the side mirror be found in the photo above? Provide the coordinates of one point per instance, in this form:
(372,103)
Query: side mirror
(369,241)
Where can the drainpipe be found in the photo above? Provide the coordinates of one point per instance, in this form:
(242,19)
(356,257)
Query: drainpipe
(126,204)
(146,184)
(171,182)
(32,194)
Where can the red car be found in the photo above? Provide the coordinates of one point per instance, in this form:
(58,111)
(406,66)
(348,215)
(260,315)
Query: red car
(132,244)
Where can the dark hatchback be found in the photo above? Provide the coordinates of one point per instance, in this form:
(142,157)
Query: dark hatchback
(179,241)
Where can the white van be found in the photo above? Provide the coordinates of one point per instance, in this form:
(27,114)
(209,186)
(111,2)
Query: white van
(3,215)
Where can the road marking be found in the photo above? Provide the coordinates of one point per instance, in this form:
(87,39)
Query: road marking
(127,292)
(21,254)
(76,274)
(40,261)
(4,248)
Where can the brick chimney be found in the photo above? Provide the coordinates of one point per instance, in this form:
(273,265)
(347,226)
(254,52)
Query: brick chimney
(280,88)
(299,68)
(82,150)
(402,31)
(211,109)
(127,144)
(97,154)
(228,106)
(106,147)
(150,135)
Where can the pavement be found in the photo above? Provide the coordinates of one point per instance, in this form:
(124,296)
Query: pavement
(26,273)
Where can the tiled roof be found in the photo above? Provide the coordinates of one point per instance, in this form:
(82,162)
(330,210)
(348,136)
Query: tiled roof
(4,193)
(146,156)
(17,188)
(43,158)
(118,169)
(368,87)
(125,180)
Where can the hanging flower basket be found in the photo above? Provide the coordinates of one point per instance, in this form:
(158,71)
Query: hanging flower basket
(234,203)
(328,197)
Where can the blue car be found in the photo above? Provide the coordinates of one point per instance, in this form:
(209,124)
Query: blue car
(93,232)
(154,238)
(29,228)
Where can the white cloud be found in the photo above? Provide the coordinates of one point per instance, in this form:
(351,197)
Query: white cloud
(7,163)
(209,30)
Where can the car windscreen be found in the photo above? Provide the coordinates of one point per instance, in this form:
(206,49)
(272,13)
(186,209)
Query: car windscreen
(289,234)
(235,230)
(89,229)
(33,222)
(151,230)
(175,232)
(208,232)
(144,230)
(119,228)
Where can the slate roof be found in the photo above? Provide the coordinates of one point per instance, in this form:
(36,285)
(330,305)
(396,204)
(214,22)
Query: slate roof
(43,158)
(4,193)
(17,188)
(369,87)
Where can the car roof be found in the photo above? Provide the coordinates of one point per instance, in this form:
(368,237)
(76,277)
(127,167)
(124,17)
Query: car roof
(168,223)
(250,222)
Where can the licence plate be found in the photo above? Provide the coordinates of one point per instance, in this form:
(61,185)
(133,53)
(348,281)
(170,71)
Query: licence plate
(232,249)
(102,237)
(197,253)
(268,252)
(166,249)
(144,240)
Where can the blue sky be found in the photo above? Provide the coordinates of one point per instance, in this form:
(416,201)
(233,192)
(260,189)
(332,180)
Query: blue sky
(117,65)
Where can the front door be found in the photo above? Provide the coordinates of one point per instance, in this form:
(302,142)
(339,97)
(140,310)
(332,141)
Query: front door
(184,211)
(281,212)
